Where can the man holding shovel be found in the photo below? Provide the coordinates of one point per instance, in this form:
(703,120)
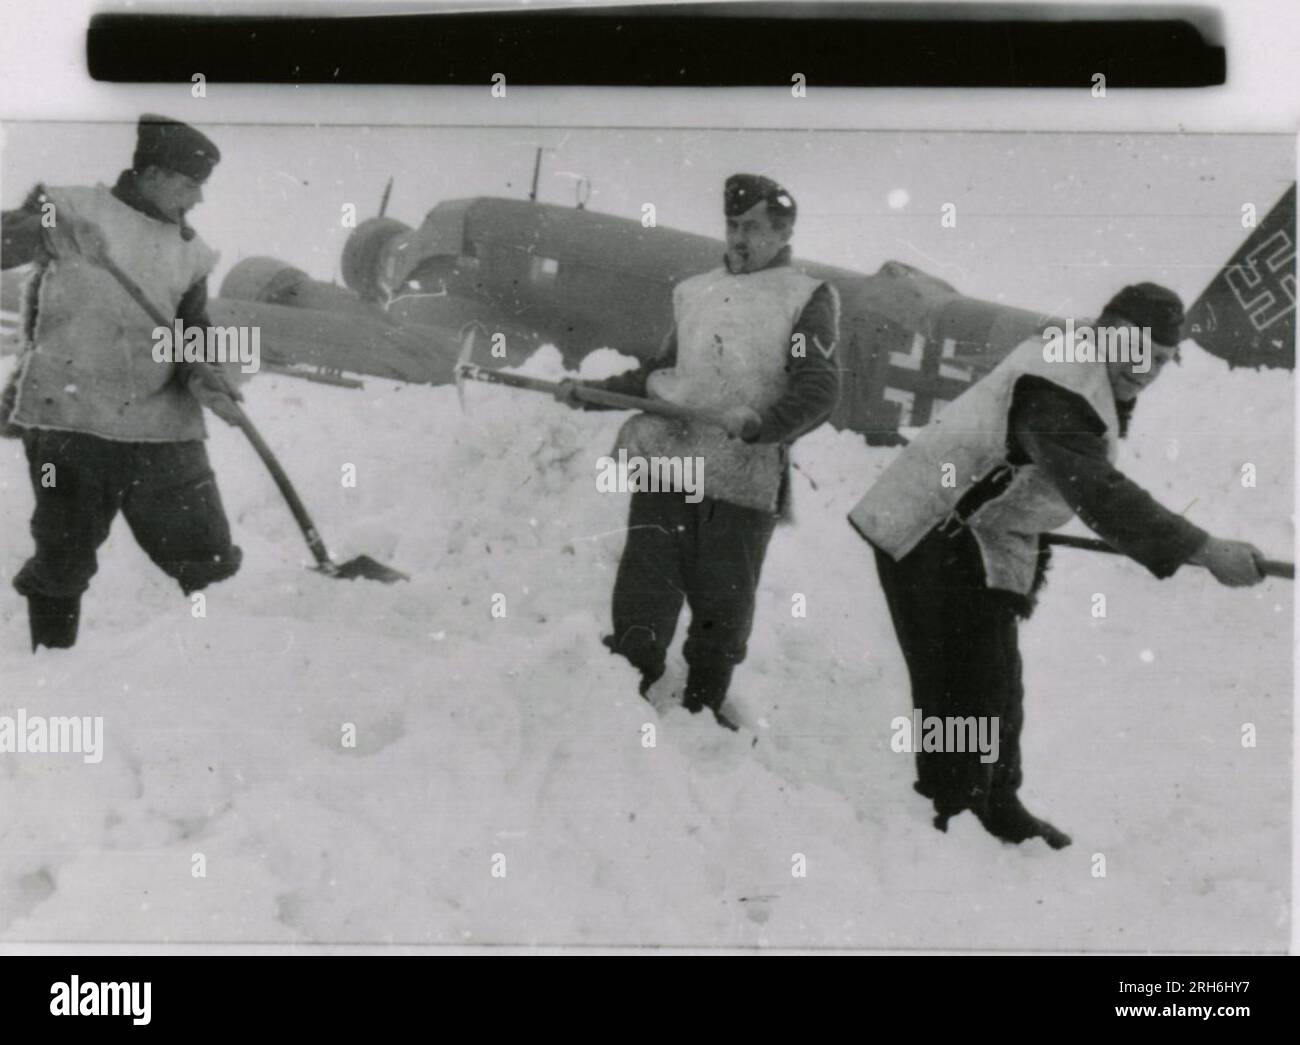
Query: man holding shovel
(105,426)
(752,347)
(958,521)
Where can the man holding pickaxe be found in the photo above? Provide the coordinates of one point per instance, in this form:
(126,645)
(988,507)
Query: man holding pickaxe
(959,521)
(751,348)
(105,426)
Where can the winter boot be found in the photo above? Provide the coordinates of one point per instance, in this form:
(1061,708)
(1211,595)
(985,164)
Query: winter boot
(1007,819)
(649,675)
(945,807)
(53,622)
(648,679)
(706,687)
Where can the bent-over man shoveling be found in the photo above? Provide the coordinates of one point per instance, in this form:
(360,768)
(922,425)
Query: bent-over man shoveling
(958,523)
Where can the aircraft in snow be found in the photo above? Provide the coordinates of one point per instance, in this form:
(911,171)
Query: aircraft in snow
(530,273)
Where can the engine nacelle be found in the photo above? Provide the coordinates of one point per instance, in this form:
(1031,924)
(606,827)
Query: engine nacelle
(274,283)
(263,279)
(367,256)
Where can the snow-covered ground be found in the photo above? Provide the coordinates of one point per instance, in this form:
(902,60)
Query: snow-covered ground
(521,736)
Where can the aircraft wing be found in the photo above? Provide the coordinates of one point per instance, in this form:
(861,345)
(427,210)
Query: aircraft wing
(334,342)
(305,342)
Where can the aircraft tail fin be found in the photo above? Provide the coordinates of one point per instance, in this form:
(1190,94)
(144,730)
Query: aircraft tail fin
(1247,314)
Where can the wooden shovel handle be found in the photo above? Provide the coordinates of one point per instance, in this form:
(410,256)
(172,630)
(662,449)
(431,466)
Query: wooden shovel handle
(1268,567)
(290,495)
(597,396)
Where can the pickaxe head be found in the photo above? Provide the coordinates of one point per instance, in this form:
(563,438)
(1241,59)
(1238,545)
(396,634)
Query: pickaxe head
(462,360)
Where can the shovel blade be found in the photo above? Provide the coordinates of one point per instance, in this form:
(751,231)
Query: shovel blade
(367,568)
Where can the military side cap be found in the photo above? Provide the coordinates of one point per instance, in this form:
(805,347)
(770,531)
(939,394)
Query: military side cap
(1153,306)
(174,146)
(743,191)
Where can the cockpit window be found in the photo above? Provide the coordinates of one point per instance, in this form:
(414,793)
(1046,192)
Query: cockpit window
(544,270)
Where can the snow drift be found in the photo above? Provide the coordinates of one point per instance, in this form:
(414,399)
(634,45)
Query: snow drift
(502,787)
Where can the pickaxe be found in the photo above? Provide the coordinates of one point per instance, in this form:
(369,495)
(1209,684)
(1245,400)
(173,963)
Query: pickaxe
(467,371)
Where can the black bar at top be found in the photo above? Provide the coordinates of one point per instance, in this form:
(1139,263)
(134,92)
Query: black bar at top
(682,46)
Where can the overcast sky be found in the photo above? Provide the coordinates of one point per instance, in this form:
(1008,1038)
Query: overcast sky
(1054,222)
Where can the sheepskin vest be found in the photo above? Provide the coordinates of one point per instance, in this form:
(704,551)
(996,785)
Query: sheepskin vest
(923,484)
(733,346)
(88,365)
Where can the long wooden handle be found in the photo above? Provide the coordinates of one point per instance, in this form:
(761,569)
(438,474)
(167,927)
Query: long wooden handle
(1268,567)
(318,550)
(598,396)
(133,289)
(281,477)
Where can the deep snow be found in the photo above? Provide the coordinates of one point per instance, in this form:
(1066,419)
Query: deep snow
(523,737)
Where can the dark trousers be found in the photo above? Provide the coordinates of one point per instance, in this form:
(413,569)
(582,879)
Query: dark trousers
(959,639)
(166,491)
(708,555)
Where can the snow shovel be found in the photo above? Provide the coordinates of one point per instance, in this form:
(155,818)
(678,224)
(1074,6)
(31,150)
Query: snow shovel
(1268,567)
(467,371)
(362,565)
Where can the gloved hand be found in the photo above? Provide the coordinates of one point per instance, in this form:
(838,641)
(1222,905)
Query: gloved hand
(211,388)
(566,393)
(741,422)
(1233,563)
(71,236)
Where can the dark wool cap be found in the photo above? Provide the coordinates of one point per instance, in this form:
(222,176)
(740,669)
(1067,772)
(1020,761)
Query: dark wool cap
(174,146)
(1151,305)
(745,190)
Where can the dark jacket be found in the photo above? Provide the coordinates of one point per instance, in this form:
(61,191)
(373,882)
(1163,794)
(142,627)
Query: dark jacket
(1062,435)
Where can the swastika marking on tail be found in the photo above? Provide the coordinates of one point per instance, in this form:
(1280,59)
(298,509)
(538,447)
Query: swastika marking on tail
(1264,281)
